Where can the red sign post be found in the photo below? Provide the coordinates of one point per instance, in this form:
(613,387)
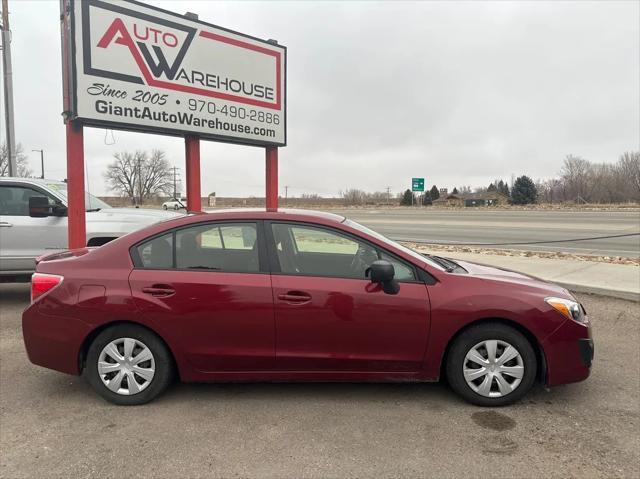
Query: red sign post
(192,158)
(271,193)
(75,185)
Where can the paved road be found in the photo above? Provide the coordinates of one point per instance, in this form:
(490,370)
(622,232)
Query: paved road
(497,226)
(53,425)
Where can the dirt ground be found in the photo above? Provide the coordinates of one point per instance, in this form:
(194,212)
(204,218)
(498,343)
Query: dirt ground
(53,425)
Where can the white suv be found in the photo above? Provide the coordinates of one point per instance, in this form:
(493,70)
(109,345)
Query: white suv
(33,221)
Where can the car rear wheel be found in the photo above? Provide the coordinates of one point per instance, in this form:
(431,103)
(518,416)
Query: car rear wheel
(176,207)
(128,365)
(491,365)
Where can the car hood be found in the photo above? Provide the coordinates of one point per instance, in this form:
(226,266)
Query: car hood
(502,275)
(141,216)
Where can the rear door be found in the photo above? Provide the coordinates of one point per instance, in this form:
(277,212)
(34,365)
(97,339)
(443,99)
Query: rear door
(22,237)
(208,286)
(330,317)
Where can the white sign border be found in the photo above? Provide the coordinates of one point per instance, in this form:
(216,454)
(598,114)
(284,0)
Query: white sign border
(72,93)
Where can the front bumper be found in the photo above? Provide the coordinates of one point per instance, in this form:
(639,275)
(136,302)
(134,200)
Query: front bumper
(569,353)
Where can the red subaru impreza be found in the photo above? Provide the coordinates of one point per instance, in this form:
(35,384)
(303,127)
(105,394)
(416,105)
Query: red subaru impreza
(295,296)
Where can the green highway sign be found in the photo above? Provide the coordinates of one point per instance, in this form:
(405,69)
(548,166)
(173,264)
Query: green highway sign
(417,184)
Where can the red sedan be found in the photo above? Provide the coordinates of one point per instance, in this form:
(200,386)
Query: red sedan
(295,296)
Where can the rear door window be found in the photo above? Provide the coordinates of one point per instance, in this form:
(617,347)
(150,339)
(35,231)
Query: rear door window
(157,253)
(229,248)
(220,247)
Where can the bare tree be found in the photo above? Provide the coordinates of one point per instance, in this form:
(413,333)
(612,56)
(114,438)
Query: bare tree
(576,174)
(353,196)
(629,167)
(310,196)
(139,175)
(21,161)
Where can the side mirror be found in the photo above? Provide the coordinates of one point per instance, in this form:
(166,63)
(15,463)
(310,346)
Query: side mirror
(382,272)
(39,207)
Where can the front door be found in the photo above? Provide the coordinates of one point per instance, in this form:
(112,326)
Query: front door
(206,286)
(330,317)
(23,238)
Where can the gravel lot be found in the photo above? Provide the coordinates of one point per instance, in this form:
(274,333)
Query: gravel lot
(53,425)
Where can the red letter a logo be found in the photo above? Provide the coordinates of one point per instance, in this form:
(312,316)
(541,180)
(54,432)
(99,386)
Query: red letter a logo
(117,27)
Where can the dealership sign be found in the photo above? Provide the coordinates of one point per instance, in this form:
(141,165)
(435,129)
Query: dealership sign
(136,67)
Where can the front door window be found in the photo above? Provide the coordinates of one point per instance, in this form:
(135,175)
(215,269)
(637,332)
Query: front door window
(312,251)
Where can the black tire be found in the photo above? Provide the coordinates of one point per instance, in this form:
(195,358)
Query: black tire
(482,332)
(164,366)
(164,207)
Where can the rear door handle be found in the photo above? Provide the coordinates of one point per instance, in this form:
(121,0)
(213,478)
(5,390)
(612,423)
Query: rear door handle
(295,297)
(159,292)
(4,224)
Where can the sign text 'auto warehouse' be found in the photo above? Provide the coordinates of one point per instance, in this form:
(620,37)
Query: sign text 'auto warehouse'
(140,68)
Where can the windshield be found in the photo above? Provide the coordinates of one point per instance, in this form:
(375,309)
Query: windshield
(375,234)
(90,201)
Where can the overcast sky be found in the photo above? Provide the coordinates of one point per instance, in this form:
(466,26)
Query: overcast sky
(457,92)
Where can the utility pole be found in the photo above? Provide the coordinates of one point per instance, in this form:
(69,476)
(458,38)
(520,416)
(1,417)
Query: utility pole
(388,195)
(286,193)
(41,162)
(8,89)
(175,182)
(139,183)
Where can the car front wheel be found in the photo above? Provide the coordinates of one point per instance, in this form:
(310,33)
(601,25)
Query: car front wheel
(491,365)
(164,207)
(128,365)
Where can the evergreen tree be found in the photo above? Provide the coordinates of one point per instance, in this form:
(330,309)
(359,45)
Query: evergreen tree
(455,191)
(524,191)
(434,192)
(407,198)
(426,199)
(492,187)
(503,188)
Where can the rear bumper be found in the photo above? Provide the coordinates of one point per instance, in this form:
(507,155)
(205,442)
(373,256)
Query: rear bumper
(569,353)
(53,341)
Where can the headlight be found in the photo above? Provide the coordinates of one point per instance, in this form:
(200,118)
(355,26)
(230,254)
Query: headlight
(568,308)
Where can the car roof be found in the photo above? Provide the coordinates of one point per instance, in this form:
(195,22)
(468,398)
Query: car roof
(33,181)
(233,214)
(281,213)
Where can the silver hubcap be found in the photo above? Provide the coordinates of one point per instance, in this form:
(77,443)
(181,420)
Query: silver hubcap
(493,368)
(126,366)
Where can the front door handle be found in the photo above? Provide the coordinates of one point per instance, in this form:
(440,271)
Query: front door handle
(4,224)
(295,297)
(159,291)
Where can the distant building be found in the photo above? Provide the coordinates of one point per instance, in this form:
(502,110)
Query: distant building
(443,192)
(488,198)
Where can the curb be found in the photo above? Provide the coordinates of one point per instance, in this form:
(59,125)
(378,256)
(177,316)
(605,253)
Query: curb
(613,293)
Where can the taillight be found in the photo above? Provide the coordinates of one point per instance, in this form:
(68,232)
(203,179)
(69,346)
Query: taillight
(42,283)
